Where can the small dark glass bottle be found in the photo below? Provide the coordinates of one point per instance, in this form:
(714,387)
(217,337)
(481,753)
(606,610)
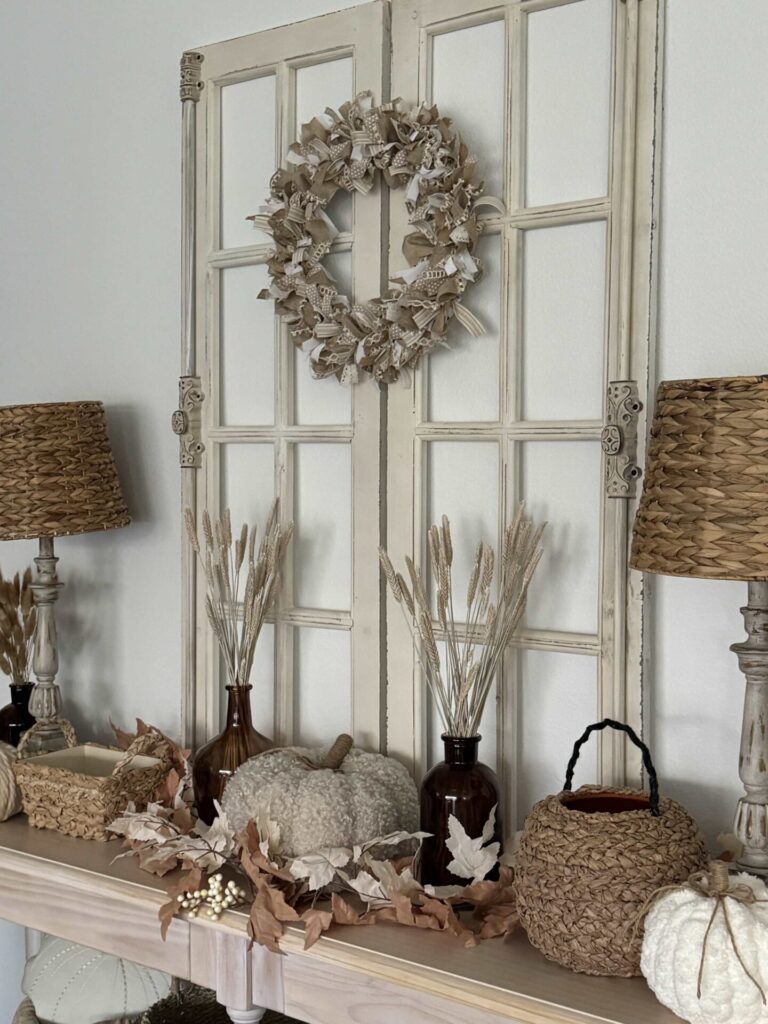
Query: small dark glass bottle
(459,786)
(15,718)
(217,761)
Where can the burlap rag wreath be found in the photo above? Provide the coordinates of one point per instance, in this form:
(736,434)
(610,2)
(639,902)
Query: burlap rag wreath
(412,146)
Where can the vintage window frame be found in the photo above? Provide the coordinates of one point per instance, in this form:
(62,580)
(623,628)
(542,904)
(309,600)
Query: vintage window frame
(631,210)
(388,710)
(363,33)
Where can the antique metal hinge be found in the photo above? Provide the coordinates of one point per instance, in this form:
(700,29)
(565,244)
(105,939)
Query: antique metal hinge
(186,423)
(190,84)
(619,439)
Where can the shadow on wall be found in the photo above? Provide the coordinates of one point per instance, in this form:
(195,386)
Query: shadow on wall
(124,426)
(91,611)
(704,802)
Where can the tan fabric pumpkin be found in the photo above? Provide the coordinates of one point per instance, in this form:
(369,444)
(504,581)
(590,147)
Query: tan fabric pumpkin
(323,798)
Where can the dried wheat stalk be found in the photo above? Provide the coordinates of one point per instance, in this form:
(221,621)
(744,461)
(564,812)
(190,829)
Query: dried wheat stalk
(18,618)
(460,688)
(223,561)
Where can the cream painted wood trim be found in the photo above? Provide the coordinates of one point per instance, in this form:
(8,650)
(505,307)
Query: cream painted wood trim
(631,212)
(77,890)
(363,34)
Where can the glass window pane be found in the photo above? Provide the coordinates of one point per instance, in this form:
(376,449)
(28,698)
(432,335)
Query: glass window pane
(247,348)
(557,700)
(318,86)
(323,540)
(248,158)
(323,401)
(563,321)
(464,485)
(469,86)
(561,483)
(568,97)
(247,482)
(323,667)
(464,382)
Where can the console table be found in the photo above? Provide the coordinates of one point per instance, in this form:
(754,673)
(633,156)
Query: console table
(75,889)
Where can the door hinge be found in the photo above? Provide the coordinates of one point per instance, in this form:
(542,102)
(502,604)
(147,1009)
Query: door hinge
(186,423)
(619,439)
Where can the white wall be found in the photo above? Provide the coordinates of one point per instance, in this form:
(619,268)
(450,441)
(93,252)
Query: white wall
(89,197)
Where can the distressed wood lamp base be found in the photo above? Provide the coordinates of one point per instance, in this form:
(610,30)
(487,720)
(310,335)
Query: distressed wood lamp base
(751,822)
(45,700)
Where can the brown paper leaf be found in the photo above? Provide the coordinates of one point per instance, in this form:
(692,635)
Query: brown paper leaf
(187,881)
(122,738)
(317,922)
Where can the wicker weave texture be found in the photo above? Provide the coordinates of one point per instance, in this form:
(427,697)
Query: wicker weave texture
(57,472)
(83,805)
(704,508)
(582,878)
(199,1006)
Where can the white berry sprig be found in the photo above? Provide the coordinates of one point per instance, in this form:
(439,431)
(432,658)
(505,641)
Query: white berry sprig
(214,899)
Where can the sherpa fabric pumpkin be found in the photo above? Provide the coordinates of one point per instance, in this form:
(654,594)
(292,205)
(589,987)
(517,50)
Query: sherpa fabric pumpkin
(336,796)
(687,942)
(589,860)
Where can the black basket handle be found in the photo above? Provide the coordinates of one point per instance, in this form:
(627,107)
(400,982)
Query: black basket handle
(653,782)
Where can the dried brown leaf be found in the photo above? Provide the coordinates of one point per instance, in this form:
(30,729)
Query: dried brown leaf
(317,922)
(187,881)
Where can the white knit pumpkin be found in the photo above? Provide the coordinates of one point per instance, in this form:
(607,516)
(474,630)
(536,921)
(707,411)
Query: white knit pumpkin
(70,984)
(672,949)
(366,796)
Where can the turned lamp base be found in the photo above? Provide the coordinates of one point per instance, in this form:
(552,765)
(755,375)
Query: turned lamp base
(45,700)
(751,822)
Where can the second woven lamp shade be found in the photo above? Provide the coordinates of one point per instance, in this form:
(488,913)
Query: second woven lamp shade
(57,473)
(704,509)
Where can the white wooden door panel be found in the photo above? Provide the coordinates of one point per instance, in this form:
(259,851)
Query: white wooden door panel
(541,85)
(269,429)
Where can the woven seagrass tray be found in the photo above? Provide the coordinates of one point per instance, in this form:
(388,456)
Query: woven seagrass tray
(80,790)
(588,861)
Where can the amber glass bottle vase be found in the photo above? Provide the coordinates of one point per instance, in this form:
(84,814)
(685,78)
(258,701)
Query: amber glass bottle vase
(460,786)
(216,762)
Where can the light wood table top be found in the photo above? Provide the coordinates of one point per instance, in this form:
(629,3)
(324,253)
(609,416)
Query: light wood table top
(76,889)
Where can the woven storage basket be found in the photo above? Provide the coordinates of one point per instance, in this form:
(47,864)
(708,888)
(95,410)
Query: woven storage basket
(588,861)
(79,791)
(196,1005)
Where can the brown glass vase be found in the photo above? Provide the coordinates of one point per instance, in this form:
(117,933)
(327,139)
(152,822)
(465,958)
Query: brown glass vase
(15,718)
(216,762)
(460,786)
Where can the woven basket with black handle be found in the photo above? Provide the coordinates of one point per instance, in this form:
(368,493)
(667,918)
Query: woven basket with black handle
(589,859)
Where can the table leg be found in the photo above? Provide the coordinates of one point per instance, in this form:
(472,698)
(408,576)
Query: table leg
(252,1016)
(32,941)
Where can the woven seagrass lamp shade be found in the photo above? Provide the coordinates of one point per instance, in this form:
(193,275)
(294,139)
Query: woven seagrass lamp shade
(57,478)
(704,513)
(704,509)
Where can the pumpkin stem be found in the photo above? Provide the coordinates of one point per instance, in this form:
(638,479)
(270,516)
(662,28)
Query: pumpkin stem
(335,756)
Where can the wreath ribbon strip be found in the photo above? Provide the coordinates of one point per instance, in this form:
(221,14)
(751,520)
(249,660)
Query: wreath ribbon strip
(415,147)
